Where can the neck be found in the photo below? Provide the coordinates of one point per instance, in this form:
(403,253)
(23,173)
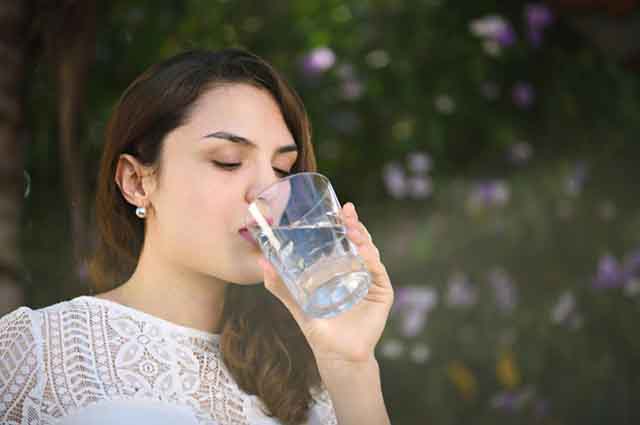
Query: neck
(171,292)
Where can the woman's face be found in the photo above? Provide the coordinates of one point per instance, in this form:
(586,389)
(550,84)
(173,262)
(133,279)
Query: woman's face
(200,206)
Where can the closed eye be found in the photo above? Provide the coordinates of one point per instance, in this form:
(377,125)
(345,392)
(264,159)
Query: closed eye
(232,166)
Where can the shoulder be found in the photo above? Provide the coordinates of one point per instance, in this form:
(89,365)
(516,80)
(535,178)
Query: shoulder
(25,323)
(21,359)
(79,303)
(18,318)
(25,333)
(19,329)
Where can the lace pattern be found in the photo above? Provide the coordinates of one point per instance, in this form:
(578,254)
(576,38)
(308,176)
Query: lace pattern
(60,359)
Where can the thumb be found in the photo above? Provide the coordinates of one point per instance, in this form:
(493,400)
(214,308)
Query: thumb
(274,284)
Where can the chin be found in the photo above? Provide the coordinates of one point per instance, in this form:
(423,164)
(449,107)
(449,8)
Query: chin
(252,276)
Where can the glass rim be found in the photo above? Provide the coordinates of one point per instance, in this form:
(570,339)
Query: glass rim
(290,176)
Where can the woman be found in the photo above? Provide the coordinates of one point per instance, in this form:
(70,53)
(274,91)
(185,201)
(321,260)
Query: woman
(178,331)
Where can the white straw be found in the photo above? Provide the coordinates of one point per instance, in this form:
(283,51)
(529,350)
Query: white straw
(257,215)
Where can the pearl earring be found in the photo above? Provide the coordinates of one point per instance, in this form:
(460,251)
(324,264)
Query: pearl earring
(141,212)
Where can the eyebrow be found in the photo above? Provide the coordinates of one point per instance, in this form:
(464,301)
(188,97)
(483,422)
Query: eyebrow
(246,142)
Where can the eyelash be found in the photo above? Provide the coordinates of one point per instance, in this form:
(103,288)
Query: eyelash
(228,166)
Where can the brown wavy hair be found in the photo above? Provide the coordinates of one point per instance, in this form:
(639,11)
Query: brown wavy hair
(262,345)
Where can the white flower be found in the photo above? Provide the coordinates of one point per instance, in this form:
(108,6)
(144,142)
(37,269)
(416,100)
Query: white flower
(413,322)
(632,287)
(420,352)
(420,187)
(489,26)
(392,348)
(564,307)
(319,60)
(492,48)
(378,59)
(505,292)
(445,104)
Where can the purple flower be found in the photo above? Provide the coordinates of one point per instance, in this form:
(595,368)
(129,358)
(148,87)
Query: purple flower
(460,292)
(575,182)
(506,36)
(493,193)
(610,274)
(505,400)
(414,303)
(419,162)
(631,267)
(318,61)
(535,37)
(523,95)
(395,180)
(538,15)
(511,401)
(418,297)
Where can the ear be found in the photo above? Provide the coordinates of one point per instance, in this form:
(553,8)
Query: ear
(135,180)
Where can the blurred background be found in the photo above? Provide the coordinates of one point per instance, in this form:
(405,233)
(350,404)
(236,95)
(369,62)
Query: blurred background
(490,146)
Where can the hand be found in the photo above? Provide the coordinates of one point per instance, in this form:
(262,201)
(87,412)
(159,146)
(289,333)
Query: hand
(352,335)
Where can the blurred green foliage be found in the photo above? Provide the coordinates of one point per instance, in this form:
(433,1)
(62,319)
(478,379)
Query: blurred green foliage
(537,191)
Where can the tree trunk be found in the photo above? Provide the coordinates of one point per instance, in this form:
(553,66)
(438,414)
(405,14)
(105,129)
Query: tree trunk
(71,46)
(13,51)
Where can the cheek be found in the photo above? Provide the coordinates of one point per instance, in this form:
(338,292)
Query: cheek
(209,204)
(200,204)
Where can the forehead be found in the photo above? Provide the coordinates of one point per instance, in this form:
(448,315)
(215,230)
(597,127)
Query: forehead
(240,109)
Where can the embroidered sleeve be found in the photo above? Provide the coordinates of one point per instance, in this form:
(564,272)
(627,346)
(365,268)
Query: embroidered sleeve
(21,378)
(322,412)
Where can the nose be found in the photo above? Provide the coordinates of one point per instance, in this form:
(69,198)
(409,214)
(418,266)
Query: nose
(263,180)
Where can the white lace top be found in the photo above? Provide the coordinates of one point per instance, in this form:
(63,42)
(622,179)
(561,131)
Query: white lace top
(93,361)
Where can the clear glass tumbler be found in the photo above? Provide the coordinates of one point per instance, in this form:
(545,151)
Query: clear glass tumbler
(308,245)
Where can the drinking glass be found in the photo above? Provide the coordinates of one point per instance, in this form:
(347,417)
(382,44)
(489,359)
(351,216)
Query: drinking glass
(298,226)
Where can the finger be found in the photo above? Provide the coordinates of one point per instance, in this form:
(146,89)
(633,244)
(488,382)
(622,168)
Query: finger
(349,211)
(274,284)
(359,229)
(369,252)
(350,217)
(360,236)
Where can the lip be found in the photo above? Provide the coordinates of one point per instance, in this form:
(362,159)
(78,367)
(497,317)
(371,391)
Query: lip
(247,236)
(252,223)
